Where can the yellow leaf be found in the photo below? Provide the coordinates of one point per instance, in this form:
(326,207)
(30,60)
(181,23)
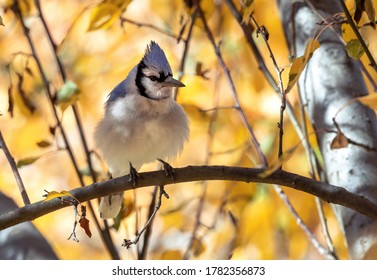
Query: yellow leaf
(171,255)
(197,113)
(299,63)
(103,16)
(55,194)
(128,207)
(369,100)
(248,9)
(278,163)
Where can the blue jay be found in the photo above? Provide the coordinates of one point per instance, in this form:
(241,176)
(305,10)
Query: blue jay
(142,122)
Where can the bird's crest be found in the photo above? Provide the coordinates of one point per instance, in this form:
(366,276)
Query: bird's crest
(155,57)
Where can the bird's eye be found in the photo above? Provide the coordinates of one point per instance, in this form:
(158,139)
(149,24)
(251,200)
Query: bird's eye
(153,78)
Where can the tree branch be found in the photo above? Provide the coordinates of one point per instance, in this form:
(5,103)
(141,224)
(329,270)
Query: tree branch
(329,193)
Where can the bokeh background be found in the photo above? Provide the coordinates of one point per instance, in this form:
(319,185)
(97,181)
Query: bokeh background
(238,220)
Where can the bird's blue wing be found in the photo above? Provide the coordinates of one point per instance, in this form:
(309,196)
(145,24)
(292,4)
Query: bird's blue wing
(118,92)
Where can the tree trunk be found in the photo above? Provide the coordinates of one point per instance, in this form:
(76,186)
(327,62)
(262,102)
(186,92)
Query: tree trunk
(330,80)
(22,241)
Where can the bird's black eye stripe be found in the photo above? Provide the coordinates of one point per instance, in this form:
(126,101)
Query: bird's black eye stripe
(161,78)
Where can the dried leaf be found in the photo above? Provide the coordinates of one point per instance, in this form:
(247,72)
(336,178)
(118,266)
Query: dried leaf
(26,101)
(369,100)
(354,49)
(10,101)
(359,8)
(197,247)
(200,72)
(233,219)
(29,71)
(84,223)
(55,194)
(26,161)
(299,63)
(43,144)
(274,166)
(52,130)
(369,9)
(339,141)
(1,21)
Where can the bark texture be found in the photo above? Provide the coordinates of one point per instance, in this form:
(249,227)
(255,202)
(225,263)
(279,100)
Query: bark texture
(330,80)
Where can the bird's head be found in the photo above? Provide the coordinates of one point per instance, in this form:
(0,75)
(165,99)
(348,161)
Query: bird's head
(154,77)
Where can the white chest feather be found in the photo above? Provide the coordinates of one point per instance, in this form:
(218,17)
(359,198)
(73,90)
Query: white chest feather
(139,130)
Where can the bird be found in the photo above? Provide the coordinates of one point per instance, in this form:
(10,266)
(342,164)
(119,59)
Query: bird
(142,123)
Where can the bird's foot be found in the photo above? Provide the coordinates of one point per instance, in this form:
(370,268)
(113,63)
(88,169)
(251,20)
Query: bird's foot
(133,175)
(169,170)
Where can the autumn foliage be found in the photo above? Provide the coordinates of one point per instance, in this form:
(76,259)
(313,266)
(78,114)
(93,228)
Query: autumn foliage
(52,96)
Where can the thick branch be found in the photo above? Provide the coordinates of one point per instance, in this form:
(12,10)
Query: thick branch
(330,193)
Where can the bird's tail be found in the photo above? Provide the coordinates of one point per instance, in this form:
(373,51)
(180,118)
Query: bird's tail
(110,206)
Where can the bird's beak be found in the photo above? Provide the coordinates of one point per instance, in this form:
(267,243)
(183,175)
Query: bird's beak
(171,82)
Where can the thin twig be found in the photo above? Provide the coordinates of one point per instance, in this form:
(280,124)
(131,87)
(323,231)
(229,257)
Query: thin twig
(46,86)
(142,254)
(73,233)
(325,228)
(185,51)
(218,109)
(248,31)
(148,25)
(302,132)
(64,78)
(127,242)
(262,30)
(104,233)
(14,168)
(314,167)
(202,197)
(322,250)
(211,38)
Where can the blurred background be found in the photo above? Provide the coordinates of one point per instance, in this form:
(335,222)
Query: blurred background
(98,49)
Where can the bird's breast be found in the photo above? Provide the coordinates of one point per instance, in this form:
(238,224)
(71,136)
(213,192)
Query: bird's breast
(141,133)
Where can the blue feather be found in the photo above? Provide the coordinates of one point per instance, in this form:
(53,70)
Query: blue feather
(117,92)
(155,57)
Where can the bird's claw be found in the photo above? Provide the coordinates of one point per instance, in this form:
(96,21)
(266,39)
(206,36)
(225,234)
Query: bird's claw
(133,175)
(169,170)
